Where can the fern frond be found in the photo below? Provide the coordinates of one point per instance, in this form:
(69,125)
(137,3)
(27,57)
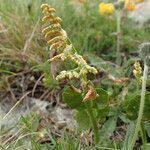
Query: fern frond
(57,39)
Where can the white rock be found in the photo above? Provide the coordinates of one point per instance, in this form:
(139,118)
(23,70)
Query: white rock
(141,16)
(28,106)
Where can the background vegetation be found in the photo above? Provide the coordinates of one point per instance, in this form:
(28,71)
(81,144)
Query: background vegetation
(23,50)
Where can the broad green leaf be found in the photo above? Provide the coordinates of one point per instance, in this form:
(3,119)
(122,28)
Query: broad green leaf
(83,120)
(101,103)
(108,128)
(102,113)
(73,99)
(102,99)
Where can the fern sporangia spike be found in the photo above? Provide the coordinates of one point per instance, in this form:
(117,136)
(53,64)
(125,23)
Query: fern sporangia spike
(59,42)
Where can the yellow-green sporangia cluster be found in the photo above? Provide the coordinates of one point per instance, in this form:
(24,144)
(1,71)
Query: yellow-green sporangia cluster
(57,40)
(137,71)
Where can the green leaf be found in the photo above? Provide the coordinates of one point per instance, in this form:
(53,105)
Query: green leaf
(102,113)
(129,135)
(102,99)
(73,99)
(108,128)
(83,120)
(147,127)
(132,107)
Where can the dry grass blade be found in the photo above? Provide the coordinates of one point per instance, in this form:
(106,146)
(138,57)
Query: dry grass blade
(25,135)
(15,105)
(12,137)
(37,84)
(21,147)
(31,36)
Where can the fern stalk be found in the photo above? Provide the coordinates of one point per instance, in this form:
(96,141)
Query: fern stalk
(141,109)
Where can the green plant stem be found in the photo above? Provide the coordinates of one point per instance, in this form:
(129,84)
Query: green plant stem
(94,125)
(143,135)
(118,59)
(141,109)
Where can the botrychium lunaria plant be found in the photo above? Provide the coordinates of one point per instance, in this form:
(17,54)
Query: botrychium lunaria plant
(63,50)
(121,7)
(145,56)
